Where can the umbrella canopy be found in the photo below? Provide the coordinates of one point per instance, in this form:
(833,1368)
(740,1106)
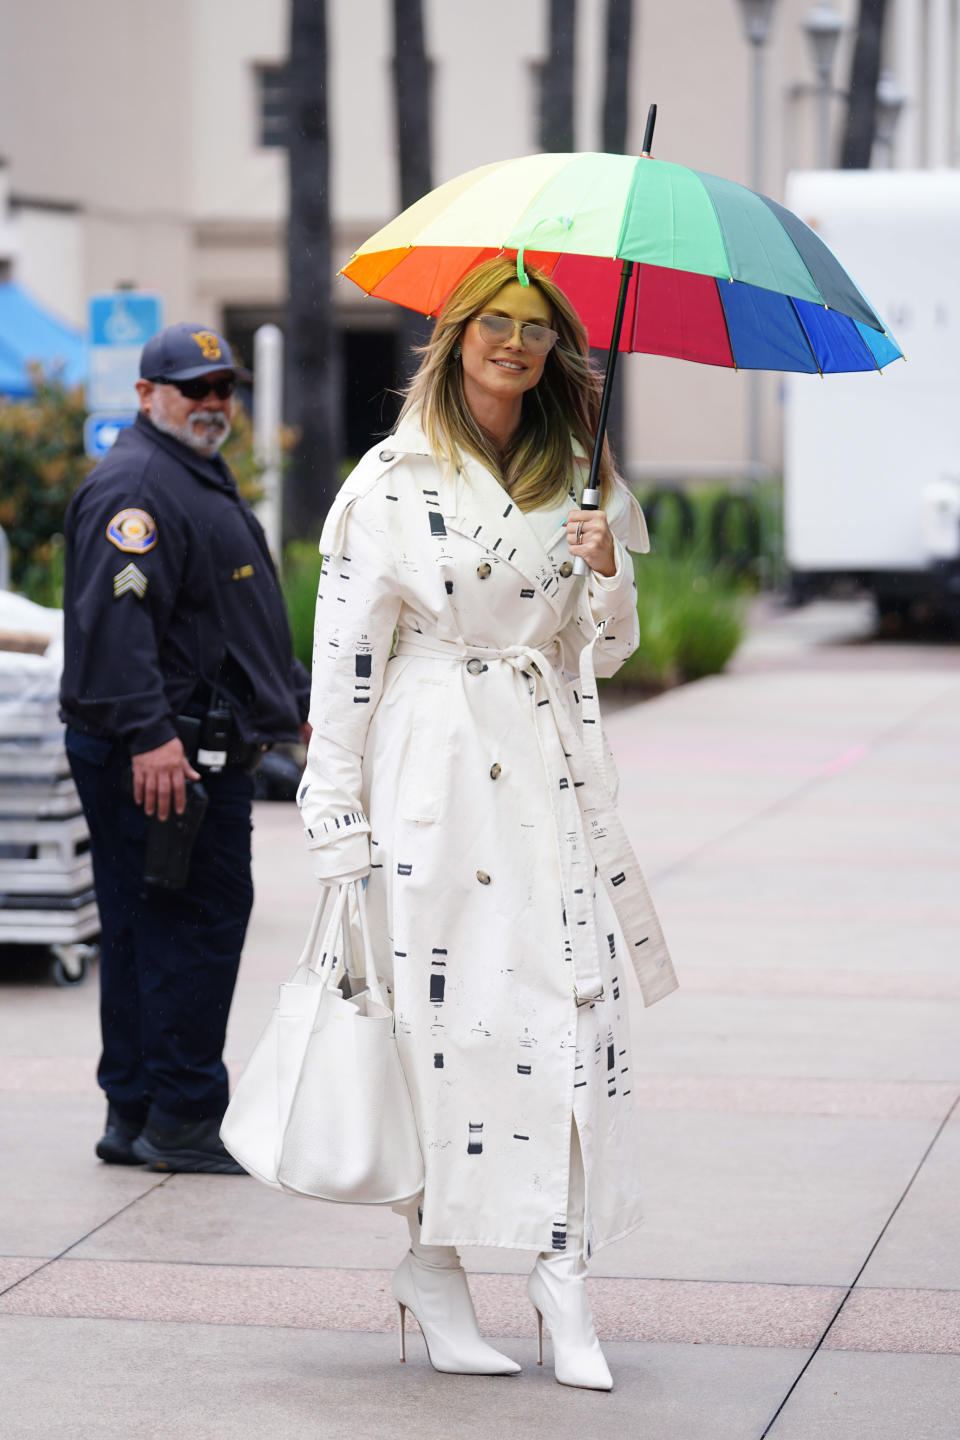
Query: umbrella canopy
(29,334)
(722,275)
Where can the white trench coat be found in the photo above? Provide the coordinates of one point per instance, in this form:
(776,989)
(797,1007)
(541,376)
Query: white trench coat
(469,767)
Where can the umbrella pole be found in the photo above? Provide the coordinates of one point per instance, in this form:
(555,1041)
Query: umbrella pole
(591,494)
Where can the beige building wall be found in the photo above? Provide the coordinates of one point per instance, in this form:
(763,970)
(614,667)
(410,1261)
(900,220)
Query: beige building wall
(131,133)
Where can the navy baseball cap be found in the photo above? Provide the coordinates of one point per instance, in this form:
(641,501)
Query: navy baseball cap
(181,352)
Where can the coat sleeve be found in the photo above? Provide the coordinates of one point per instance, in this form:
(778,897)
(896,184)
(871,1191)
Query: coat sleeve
(122,594)
(358,603)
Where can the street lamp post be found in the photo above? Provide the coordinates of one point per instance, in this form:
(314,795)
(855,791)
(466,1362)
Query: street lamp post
(889,103)
(824,26)
(757,16)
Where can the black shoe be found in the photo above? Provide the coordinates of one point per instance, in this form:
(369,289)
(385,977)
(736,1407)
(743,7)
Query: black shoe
(194,1147)
(115,1145)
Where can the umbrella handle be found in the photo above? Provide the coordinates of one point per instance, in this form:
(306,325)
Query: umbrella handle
(590,501)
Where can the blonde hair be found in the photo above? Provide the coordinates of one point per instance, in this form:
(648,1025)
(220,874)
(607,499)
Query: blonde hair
(538,467)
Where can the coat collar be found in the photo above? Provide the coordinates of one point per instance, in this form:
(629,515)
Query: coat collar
(474,504)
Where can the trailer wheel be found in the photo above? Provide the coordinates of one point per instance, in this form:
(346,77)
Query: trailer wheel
(667,500)
(735,532)
(70,963)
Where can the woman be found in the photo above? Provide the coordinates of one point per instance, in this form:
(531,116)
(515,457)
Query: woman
(467,775)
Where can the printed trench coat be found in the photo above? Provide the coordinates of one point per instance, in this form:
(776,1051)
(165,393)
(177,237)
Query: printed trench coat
(457,750)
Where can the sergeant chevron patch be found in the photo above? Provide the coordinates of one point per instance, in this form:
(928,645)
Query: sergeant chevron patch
(131,577)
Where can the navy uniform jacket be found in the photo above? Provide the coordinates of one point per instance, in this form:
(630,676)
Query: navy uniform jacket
(171,598)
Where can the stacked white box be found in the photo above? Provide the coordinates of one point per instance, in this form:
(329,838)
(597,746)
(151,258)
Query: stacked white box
(46,877)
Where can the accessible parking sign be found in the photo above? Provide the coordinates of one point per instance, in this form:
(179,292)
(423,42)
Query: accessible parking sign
(120,324)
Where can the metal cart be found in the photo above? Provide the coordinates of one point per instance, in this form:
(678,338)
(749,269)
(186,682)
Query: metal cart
(46,878)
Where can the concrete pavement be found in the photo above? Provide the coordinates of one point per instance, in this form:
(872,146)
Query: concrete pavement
(798,1275)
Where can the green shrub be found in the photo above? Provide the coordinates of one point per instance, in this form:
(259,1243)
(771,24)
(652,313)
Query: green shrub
(301,574)
(41,464)
(692,618)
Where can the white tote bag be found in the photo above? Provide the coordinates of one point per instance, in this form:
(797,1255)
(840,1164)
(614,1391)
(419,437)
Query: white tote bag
(323,1108)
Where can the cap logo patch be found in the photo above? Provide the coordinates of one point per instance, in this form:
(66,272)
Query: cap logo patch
(131,578)
(133,530)
(209,344)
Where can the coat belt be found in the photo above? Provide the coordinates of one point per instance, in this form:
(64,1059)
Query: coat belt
(591,839)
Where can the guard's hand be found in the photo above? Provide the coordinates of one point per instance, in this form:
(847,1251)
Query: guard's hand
(596,540)
(306,730)
(160,773)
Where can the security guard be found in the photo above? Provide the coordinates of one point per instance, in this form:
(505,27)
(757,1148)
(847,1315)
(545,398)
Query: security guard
(175,631)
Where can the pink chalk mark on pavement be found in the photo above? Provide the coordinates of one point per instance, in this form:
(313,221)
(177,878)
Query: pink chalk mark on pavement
(846,760)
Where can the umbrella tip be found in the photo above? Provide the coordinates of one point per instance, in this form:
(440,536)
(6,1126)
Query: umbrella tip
(648,133)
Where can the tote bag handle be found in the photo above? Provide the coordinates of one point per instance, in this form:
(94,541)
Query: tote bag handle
(321,955)
(325,959)
(369,964)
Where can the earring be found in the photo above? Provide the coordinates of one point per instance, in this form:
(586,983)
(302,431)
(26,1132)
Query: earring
(457,352)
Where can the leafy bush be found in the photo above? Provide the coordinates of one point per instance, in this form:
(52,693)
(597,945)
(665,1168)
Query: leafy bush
(692,618)
(301,574)
(41,464)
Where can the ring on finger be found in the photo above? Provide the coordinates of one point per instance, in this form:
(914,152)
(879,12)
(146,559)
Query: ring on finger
(578,538)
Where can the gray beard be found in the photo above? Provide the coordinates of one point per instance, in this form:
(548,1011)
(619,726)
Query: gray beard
(205,435)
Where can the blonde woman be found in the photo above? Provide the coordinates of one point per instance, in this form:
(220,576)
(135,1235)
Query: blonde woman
(457,760)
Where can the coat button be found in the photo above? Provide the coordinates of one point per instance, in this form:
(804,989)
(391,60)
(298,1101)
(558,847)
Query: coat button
(483,570)
(494,771)
(566,569)
(475,666)
(385,456)
(483,877)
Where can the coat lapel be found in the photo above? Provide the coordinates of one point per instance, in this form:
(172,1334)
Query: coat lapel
(474,504)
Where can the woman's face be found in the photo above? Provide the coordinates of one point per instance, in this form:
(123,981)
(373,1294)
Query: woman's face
(504,371)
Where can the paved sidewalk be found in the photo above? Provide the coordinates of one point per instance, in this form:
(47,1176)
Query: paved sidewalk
(800,822)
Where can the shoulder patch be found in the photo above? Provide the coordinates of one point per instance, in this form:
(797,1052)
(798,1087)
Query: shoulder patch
(133,530)
(131,578)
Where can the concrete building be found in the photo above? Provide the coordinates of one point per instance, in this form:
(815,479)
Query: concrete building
(142,145)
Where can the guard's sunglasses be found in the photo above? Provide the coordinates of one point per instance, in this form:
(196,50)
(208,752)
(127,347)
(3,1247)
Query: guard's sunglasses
(201,387)
(498,329)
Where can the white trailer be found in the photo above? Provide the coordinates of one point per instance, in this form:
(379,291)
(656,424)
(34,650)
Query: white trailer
(871,461)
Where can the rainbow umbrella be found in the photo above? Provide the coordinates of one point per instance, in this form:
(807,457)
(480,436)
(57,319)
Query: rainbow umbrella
(720,274)
(657,258)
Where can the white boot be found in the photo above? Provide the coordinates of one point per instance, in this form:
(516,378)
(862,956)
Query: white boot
(558,1293)
(430,1282)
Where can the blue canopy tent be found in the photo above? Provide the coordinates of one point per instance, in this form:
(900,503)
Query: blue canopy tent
(31,335)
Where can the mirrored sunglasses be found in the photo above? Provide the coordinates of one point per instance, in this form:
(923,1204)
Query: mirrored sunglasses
(201,387)
(498,329)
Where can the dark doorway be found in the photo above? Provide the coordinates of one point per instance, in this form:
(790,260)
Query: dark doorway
(370,374)
(370,401)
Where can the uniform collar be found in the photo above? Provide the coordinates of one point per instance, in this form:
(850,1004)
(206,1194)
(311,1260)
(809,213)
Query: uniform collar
(213,469)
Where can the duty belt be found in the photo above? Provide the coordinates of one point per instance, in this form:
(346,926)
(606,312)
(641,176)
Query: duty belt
(591,839)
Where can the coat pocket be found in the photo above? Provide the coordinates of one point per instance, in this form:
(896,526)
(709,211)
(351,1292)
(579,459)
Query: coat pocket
(423,786)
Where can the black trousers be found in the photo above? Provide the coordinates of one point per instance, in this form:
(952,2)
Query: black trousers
(169,958)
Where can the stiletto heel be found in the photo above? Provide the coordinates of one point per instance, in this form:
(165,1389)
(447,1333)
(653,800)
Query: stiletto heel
(539,1335)
(403,1331)
(557,1291)
(439,1301)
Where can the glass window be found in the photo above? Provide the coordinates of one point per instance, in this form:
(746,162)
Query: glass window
(272,88)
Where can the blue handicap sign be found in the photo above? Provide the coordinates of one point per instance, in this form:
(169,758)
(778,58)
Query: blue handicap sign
(126,317)
(100,431)
(119,326)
